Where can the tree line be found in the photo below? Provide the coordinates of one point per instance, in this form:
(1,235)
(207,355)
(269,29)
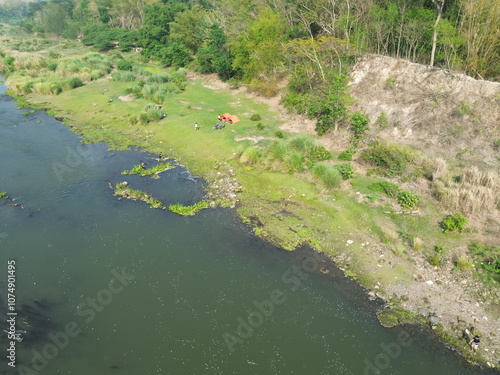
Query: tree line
(259,42)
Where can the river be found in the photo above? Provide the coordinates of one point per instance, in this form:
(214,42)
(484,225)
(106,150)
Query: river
(110,286)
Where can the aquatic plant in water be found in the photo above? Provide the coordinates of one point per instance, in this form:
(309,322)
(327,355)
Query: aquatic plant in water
(138,169)
(188,210)
(123,190)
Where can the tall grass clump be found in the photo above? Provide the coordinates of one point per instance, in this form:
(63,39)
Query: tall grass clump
(278,150)
(48,87)
(250,156)
(150,113)
(391,160)
(29,62)
(96,61)
(139,70)
(473,193)
(327,174)
(295,154)
(295,161)
(158,78)
(122,76)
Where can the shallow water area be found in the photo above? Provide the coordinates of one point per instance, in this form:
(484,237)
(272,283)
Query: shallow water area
(110,286)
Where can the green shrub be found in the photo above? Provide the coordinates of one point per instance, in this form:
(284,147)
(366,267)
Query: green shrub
(260,126)
(408,200)
(488,258)
(346,171)
(52,67)
(327,174)
(439,249)
(391,159)
(382,121)
(388,188)
(347,154)
(320,153)
(123,64)
(452,223)
(462,109)
(278,134)
(359,123)
(435,259)
(255,117)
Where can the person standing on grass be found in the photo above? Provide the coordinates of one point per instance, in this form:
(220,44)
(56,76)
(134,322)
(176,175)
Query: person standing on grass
(196,126)
(474,343)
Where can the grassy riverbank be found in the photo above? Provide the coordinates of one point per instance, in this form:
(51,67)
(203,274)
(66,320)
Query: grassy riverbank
(290,207)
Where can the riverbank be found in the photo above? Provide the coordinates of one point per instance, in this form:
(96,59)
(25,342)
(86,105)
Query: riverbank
(288,209)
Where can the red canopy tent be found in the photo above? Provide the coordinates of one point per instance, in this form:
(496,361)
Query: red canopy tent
(230,118)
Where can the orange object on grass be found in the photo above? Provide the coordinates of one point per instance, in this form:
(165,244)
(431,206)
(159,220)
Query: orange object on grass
(230,118)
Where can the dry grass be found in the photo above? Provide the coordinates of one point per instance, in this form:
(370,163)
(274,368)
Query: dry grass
(474,193)
(417,244)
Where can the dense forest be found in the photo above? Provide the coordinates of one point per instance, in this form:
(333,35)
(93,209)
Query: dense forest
(311,43)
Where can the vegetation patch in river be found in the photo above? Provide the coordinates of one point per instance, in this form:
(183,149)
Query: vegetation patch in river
(156,170)
(188,210)
(123,190)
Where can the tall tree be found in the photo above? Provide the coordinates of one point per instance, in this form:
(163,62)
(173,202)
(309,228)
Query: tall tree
(479,27)
(439,5)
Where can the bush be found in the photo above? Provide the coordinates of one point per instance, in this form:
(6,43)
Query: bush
(463,263)
(327,174)
(124,65)
(408,200)
(489,259)
(347,154)
(346,171)
(255,117)
(452,223)
(382,120)
(359,123)
(52,67)
(278,134)
(435,259)
(260,126)
(391,159)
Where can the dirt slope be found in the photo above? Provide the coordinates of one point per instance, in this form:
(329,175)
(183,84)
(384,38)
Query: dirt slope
(431,109)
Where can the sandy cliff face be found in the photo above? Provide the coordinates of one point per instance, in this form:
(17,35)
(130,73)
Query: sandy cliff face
(432,109)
